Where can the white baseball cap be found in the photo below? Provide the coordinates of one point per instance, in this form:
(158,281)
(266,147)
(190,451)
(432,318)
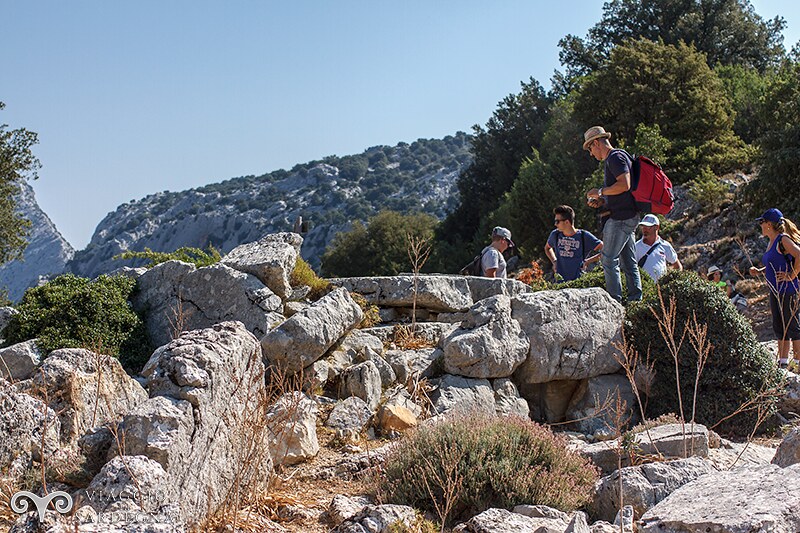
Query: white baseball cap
(649,220)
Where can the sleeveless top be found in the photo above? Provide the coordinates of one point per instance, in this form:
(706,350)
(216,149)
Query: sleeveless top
(775,261)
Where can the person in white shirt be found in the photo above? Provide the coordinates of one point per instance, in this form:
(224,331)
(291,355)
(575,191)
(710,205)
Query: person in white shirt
(653,253)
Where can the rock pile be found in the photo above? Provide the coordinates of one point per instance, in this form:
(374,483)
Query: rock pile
(212,415)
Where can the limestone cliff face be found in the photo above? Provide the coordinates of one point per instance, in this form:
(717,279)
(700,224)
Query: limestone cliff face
(329,195)
(47,252)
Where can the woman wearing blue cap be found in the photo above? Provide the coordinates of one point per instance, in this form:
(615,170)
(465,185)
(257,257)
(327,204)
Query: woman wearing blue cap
(781,267)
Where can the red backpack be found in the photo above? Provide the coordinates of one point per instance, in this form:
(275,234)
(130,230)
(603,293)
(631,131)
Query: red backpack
(651,188)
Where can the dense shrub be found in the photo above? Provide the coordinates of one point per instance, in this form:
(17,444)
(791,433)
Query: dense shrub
(737,369)
(75,312)
(491,461)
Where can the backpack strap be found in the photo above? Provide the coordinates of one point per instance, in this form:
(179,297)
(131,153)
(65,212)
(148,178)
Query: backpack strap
(480,259)
(789,257)
(643,259)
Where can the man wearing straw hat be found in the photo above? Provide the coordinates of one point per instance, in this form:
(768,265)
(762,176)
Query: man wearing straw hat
(619,233)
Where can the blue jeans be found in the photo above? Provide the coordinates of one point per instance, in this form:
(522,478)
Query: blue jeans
(618,247)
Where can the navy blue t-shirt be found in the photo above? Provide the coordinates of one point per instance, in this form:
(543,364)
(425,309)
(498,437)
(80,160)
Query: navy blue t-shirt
(622,206)
(571,251)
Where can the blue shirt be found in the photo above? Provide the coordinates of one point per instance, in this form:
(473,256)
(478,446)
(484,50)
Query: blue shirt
(571,251)
(622,206)
(775,261)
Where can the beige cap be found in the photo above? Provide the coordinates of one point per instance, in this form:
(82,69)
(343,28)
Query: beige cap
(595,132)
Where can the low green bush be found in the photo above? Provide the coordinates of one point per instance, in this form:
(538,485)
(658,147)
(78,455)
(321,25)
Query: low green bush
(596,278)
(196,256)
(487,462)
(303,274)
(75,312)
(737,370)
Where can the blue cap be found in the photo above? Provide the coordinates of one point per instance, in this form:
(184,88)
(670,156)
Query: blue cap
(771,215)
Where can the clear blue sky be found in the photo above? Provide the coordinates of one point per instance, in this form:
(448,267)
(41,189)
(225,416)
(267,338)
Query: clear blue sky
(132,98)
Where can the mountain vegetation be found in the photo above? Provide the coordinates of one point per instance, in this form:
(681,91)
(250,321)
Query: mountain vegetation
(328,195)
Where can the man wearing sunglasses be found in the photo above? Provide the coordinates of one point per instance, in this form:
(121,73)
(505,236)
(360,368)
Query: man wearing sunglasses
(569,249)
(619,232)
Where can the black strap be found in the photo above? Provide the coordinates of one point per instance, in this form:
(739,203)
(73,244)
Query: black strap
(480,259)
(643,259)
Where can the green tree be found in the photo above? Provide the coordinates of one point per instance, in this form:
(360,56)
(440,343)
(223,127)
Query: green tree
(655,83)
(746,89)
(17,163)
(778,184)
(379,249)
(516,127)
(728,32)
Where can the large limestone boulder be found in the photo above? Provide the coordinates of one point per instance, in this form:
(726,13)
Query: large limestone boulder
(572,334)
(789,401)
(457,393)
(351,414)
(19,361)
(307,335)
(218,293)
(364,380)
(271,259)
(132,487)
(481,287)
(645,485)
(158,296)
(157,428)
(503,521)
(292,422)
(435,293)
(668,440)
(489,343)
(220,373)
(25,424)
(729,454)
(85,389)
(177,296)
(413,364)
(742,500)
(586,405)
(788,453)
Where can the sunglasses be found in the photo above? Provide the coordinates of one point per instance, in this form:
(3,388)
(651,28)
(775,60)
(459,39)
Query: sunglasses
(558,220)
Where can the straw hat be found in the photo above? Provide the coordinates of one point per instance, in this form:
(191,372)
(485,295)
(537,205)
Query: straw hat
(595,132)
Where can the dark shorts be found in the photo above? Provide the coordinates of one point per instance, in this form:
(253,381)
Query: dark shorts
(785,316)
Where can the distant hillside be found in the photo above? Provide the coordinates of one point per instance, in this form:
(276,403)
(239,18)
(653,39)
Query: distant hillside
(46,254)
(329,195)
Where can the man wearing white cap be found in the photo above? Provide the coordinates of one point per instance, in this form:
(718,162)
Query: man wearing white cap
(493,264)
(653,253)
(619,232)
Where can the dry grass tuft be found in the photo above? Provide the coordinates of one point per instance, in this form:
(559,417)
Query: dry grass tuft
(406,338)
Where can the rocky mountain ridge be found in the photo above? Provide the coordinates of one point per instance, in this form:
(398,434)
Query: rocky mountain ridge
(328,195)
(47,252)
